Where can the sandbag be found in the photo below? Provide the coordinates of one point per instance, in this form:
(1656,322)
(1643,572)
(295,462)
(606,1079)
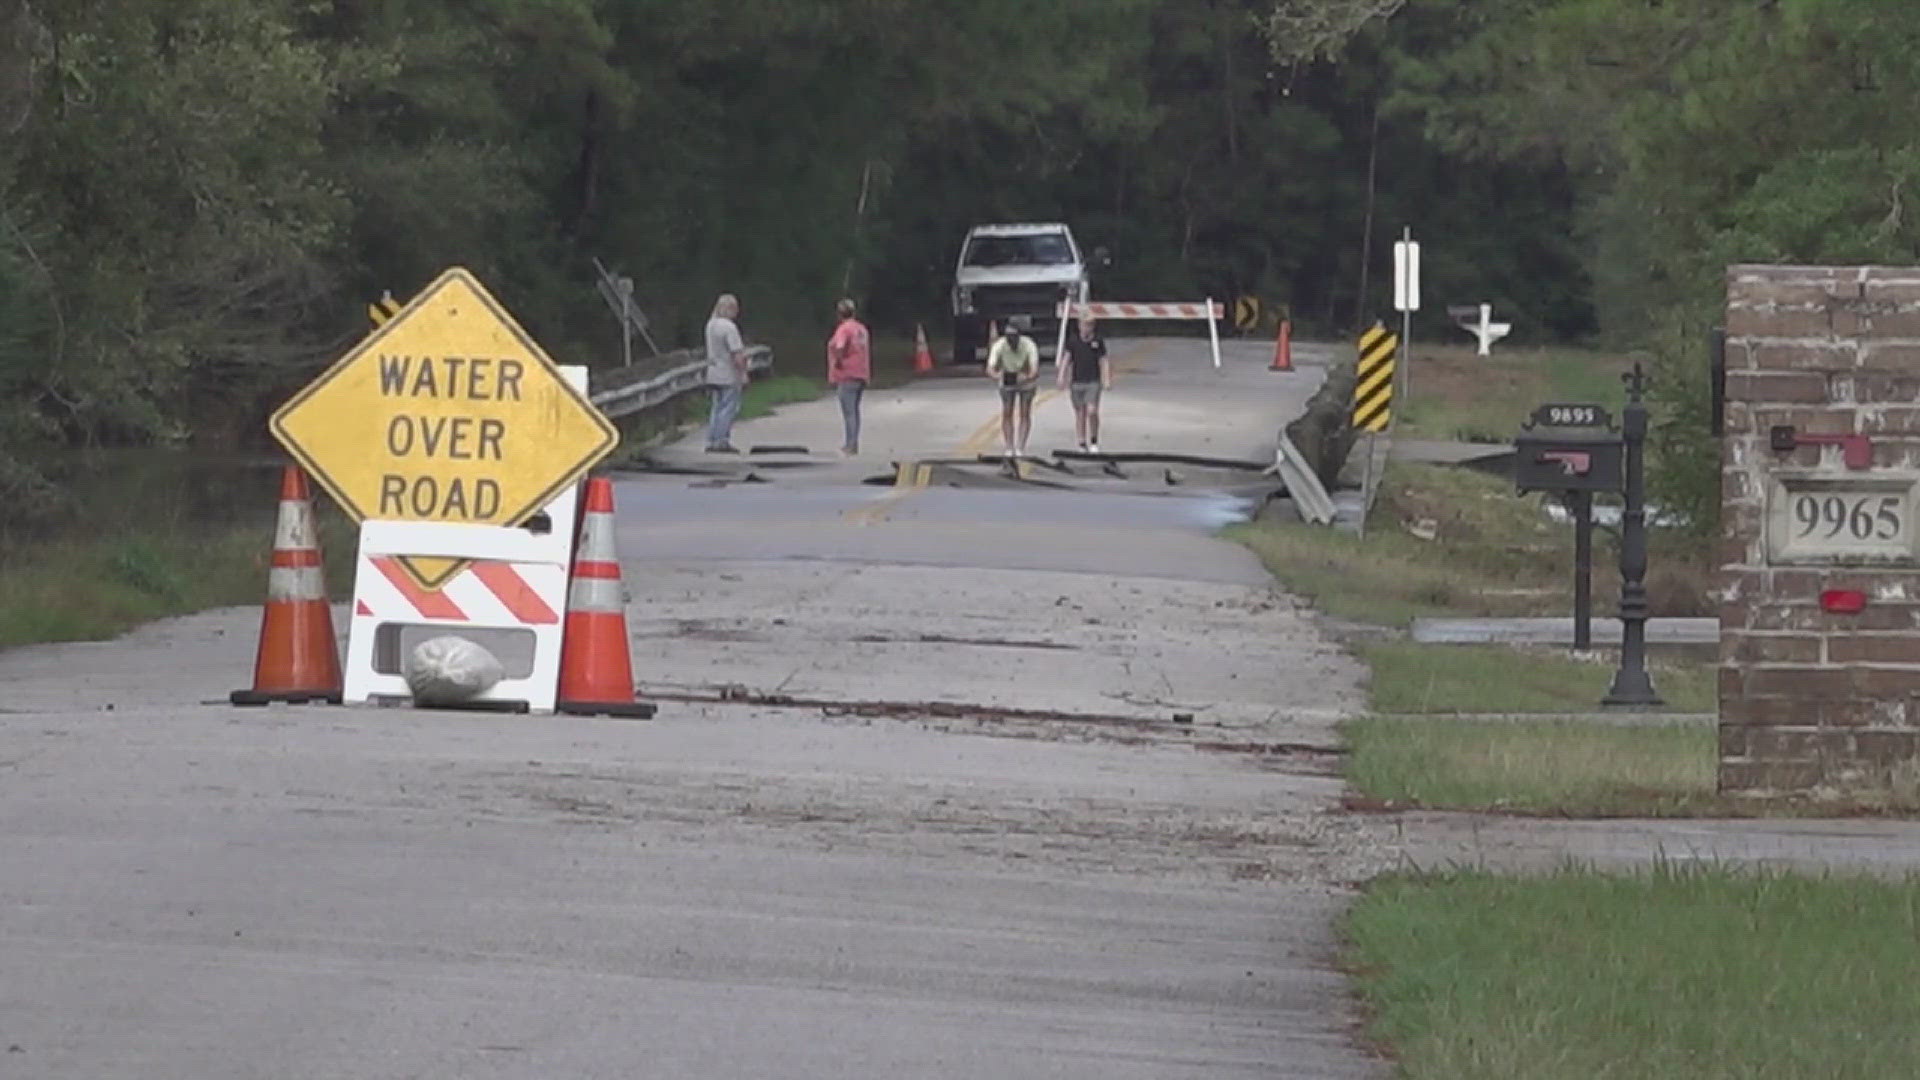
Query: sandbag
(450,670)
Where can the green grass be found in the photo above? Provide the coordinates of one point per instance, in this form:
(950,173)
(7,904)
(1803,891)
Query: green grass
(1561,768)
(1416,755)
(1490,546)
(1695,973)
(1447,393)
(96,588)
(763,396)
(147,534)
(1388,579)
(1576,768)
(1414,677)
(1491,553)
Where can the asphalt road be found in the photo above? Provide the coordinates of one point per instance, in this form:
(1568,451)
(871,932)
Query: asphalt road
(1043,790)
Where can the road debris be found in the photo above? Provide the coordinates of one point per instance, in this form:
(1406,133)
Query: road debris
(919,710)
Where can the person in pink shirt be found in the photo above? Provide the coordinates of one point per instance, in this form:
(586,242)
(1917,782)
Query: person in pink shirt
(849,369)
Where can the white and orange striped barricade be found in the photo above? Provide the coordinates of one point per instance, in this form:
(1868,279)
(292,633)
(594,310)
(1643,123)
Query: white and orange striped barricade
(516,582)
(1162,311)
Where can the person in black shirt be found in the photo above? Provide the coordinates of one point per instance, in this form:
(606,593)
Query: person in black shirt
(1086,373)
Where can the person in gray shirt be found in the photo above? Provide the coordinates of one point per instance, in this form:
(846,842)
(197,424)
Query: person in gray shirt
(726,374)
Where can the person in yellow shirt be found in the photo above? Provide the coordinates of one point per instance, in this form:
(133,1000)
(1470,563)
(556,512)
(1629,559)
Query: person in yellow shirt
(1014,360)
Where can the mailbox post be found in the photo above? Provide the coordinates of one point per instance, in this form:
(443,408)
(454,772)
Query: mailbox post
(1582,570)
(1632,686)
(1572,451)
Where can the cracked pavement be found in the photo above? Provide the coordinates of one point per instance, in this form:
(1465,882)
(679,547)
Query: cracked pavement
(947,781)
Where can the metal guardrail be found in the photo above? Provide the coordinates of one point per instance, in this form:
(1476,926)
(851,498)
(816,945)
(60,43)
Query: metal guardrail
(1309,494)
(683,378)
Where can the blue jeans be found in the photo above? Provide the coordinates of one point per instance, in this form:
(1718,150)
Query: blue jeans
(724,405)
(850,392)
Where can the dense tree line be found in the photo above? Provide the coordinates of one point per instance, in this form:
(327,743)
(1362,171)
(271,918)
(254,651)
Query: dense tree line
(198,197)
(1695,135)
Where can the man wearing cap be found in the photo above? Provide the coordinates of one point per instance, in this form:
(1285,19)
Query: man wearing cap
(1015,361)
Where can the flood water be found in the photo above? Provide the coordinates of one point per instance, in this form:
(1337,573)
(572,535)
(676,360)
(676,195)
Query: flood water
(134,491)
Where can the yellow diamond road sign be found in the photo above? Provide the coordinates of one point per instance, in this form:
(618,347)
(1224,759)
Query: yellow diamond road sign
(447,412)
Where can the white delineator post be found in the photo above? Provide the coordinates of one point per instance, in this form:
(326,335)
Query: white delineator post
(1213,331)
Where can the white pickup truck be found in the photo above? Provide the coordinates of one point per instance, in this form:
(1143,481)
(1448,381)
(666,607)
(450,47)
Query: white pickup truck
(1019,272)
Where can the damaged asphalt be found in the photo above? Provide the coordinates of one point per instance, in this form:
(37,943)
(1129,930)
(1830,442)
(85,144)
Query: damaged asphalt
(948,780)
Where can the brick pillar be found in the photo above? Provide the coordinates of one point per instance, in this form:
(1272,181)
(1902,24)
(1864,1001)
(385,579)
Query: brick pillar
(1812,700)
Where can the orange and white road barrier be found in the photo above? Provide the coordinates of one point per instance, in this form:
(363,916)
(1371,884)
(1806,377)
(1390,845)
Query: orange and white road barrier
(510,599)
(922,356)
(1283,347)
(1110,310)
(516,584)
(484,594)
(298,659)
(596,664)
(553,607)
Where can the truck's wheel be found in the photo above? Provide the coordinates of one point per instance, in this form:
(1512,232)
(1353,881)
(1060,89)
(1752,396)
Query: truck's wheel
(966,338)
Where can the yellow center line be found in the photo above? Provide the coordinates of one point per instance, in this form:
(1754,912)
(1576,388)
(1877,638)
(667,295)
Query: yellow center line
(911,476)
(983,438)
(915,476)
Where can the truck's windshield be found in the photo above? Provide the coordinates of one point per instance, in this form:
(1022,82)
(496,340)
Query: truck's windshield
(1045,249)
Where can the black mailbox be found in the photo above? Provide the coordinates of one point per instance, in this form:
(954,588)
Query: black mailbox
(1573,451)
(1569,461)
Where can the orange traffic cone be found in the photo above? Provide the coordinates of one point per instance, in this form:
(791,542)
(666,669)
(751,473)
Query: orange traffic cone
(922,358)
(1283,347)
(299,660)
(596,669)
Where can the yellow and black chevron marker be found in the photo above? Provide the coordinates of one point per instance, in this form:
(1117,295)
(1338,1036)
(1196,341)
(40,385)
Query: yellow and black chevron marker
(383,309)
(1373,390)
(1246,313)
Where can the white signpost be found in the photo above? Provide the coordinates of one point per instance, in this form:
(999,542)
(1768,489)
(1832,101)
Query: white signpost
(1406,274)
(1406,300)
